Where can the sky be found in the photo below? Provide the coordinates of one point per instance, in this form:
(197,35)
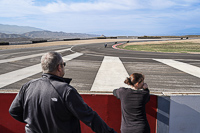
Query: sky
(105,17)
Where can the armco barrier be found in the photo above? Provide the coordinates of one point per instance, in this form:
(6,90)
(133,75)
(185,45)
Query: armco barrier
(107,106)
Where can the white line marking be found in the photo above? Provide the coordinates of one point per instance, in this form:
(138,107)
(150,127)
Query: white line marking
(111,75)
(29,56)
(71,56)
(20,58)
(14,76)
(187,68)
(63,50)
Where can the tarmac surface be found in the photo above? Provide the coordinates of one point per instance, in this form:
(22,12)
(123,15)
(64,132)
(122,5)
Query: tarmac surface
(96,69)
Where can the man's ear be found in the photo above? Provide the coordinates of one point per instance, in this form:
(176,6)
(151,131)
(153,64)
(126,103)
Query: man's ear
(59,68)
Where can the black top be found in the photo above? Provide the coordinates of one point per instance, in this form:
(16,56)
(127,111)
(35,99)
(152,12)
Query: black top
(50,105)
(133,109)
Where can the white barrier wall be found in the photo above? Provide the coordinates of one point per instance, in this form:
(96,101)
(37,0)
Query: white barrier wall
(184,114)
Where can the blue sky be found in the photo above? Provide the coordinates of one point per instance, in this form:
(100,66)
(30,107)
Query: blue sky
(108,17)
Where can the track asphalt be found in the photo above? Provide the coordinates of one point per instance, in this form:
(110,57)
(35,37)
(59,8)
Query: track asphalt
(95,68)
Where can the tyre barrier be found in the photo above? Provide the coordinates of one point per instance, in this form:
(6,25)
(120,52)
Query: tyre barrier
(71,39)
(4,43)
(39,41)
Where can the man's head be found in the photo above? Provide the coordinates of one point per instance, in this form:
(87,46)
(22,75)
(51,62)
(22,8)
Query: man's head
(52,63)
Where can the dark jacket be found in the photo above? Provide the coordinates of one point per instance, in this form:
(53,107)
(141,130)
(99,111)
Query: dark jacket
(50,105)
(133,110)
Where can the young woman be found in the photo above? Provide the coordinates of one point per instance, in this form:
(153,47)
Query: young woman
(133,101)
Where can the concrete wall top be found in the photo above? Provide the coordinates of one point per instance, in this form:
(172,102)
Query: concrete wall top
(110,93)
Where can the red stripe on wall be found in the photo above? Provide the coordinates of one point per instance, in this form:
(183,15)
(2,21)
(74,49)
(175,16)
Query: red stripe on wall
(107,106)
(109,109)
(7,123)
(151,110)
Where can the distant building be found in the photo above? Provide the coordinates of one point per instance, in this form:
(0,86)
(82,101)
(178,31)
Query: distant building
(127,37)
(102,36)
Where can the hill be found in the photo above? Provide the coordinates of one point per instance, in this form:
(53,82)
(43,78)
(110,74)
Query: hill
(3,35)
(13,33)
(56,35)
(14,29)
(13,38)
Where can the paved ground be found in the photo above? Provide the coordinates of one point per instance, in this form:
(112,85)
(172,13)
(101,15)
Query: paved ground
(98,69)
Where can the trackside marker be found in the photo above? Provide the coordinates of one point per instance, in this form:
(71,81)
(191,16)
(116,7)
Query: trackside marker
(14,76)
(111,75)
(187,68)
(115,46)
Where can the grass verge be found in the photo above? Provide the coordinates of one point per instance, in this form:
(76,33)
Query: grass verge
(175,47)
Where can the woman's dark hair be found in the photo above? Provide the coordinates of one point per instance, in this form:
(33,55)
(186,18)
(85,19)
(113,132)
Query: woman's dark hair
(134,78)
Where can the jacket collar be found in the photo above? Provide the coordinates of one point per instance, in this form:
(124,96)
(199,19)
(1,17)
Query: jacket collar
(51,76)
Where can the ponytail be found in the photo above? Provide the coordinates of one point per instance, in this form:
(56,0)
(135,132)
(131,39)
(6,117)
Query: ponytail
(128,81)
(134,78)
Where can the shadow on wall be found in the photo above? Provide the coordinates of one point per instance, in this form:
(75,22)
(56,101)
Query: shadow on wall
(163,114)
(184,114)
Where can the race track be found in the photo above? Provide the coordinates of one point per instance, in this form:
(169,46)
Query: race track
(94,68)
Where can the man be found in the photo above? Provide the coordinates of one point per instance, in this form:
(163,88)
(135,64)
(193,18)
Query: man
(105,45)
(50,105)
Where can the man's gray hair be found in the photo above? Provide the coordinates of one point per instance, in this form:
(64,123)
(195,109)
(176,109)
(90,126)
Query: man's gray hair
(50,61)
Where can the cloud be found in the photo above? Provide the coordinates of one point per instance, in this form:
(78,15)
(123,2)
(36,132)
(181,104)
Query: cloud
(161,4)
(108,5)
(102,15)
(79,7)
(28,7)
(17,8)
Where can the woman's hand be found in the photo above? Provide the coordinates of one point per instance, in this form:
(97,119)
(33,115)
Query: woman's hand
(145,86)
